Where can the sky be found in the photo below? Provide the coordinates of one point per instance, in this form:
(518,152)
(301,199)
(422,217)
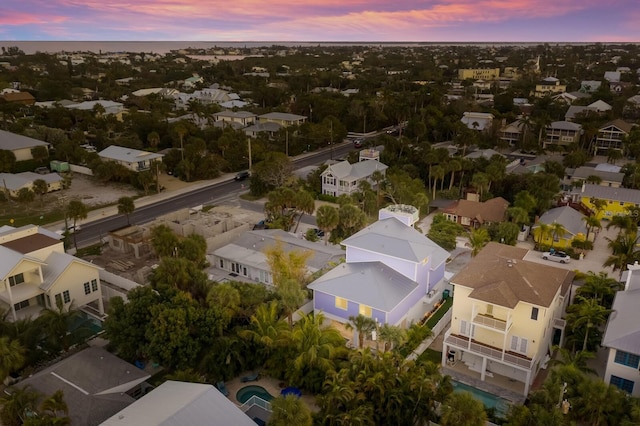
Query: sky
(322,20)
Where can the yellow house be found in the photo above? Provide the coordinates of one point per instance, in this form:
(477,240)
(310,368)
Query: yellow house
(571,220)
(36,273)
(616,201)
(479,73)
(507,314)
(21,146)
(549,86)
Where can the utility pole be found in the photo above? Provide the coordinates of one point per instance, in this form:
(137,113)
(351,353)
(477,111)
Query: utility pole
(249,141)
(331,137)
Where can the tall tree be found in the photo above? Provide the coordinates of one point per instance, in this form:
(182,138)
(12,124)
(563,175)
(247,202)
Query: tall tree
(363,326)
(462,409)
(76,210)
(41,188)
(327,219)
(126,206)
(478,239)
(586,315)
(11,356)
(289,410)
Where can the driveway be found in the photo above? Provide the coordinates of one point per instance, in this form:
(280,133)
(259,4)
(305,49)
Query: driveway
(593,259)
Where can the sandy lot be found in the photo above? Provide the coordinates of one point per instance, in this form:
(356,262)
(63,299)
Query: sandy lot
(94,193)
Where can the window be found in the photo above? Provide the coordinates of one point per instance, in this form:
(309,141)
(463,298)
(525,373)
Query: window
(623,384)
(365,310)
(519,344)
(489,310)
(94,285)
(87,288)
(534,314)
(467,329)
(58,299)
(21,305)
(221,263)
(66,296)
(625,358)
(341,303)
(16,279)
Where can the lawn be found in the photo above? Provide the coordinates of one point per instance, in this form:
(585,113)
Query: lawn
(430,355)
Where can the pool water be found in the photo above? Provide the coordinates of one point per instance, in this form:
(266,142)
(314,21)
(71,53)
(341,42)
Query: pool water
(500,405)
(245,393)
(83,323)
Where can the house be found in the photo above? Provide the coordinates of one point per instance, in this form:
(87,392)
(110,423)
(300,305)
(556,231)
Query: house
(592,174)
(612,76)
(21,146)
(572,221)
(618,199)
(245,258)
(590,86)
(96,384)
(13,183)
(562,133)
(474,214)
(110,107)
(343,177)
(579,110)
(548,87)
(390,270)
(36,273)
(514,132)
(270,128)
(612,136)
(23,98)
(487,154)
(179,403)
(477,120)
(507,315)
(622,336)
(479,73)
(133,159)
(282,118)
(245,118)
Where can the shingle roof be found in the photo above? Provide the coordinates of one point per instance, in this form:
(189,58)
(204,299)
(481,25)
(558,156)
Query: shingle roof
(620,124)
(492,210)
(31,243)
(566,216)
(498,275)
(623,328)
(565,125)
(362,169)
(393,238)
(370,283)
(11,141)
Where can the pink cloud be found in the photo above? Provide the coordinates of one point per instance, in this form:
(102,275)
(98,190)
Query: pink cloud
(9,17)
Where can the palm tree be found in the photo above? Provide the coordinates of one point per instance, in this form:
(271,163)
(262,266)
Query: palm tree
(55,404)
(438,172)
(363,326)
(11,356)
(453,166)
(577,360)
(624,251)
(76,210)
(126,206)
(623,223)
(16,403)
(544,232)
(591,222)
(585,315)
(518,215)
(557,231)
(289,410)
(462,409)
(599,287)
(327,219)
(392,336)
(478,239)
(40,187)
(480,181)
(304,203)
(267,328)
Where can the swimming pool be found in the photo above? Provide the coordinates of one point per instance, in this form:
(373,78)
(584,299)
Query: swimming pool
(245,393)
(488,400)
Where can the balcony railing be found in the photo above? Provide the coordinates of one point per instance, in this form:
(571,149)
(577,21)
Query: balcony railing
(255,400)
(559,323)
(489,351)
(490,322)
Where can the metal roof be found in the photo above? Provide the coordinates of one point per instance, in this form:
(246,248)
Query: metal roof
(12,141)
(127,155)
(623,328)
(568,217)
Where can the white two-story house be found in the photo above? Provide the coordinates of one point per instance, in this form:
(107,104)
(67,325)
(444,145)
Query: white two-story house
(507,314)
(622,336)
(343,177)
(36,273)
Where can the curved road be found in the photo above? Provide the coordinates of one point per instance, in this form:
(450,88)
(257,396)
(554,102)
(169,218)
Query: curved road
(97,229)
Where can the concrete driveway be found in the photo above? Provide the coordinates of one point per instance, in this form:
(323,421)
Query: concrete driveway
(593,259)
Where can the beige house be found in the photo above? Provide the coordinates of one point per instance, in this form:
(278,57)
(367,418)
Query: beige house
(133,159)
(507,314)
(36,273)
(562,133)
(611,136)
(343,177)
(244,118)
(549,86)
(479,73)
(282,118)
(473,214)
(12,183)
(21,146)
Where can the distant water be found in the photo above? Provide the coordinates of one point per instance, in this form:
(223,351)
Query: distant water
(163,47)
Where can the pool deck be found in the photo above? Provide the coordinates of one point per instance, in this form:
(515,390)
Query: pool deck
(270,384)
(504,388)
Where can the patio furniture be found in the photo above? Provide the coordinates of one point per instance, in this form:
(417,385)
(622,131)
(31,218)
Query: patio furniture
(250,378)
(222,388)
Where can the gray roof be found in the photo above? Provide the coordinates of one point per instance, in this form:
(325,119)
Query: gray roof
(360,170)
(9,259)
(234,114)
(263,127)
(94,383)
(249,249)
(484,153)
(626,195)
(88,105)
(370,283)
(578,109)
(393,238)
(623,328)
(565,125)
(11,141)
(127,155)
(584,172)
(178,404)
(566,216)
(282,116)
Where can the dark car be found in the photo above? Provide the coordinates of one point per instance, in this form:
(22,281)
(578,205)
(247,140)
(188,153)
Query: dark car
(242,175)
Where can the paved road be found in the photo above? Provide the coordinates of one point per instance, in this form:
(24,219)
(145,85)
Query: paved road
(218,190)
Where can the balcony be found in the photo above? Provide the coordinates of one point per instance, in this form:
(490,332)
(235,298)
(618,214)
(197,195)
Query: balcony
(464,343)
(491,322)
(559,323)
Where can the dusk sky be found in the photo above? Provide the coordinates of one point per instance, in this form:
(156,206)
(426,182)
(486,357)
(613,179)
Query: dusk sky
(322,20)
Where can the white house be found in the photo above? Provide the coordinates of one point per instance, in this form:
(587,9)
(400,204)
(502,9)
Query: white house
(36,273)
(477,120)
(622,336)
(343,177)
(21,146)
(132,159)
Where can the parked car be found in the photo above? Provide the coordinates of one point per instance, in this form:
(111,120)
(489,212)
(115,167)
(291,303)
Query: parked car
(42,170)
(556,256)
(242,175)
(319,232)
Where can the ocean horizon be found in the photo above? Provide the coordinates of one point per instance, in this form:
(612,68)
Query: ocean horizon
(164,47)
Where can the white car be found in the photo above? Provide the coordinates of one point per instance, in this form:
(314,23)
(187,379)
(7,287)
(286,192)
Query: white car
(556,256)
